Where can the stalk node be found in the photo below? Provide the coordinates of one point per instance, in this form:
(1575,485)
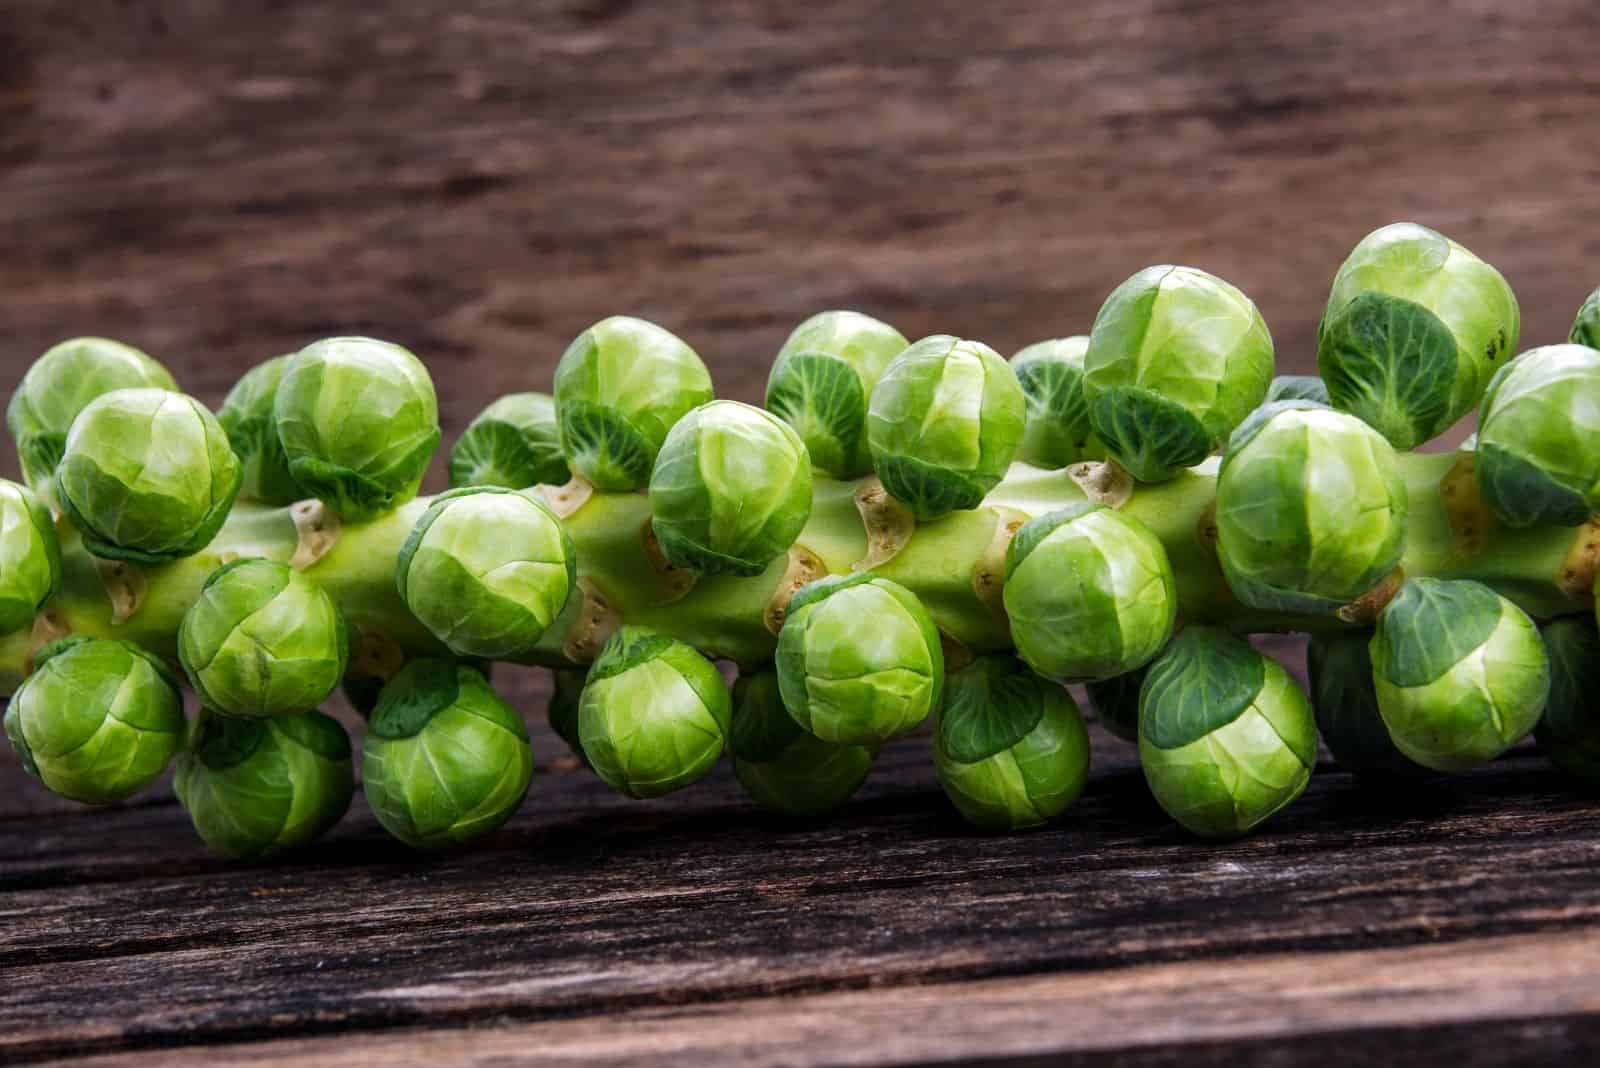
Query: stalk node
(125,586)
(597,619)
(989,572)
(1365,610)
(1102,482)
(565,500)
(316,528)
(1580,570)
(48,626)
(889,524)
(677,580)
(804,567)
(1470,518)
(375,656)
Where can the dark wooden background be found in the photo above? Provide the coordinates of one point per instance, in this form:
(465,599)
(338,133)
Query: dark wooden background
(218,182)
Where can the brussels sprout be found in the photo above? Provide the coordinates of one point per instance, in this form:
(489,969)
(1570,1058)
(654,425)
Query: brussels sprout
(445,760)
(781,767)
(1586,327)
(562,711)
(943,423)
(654,714)
(620,386)
(1116,702)
(255,788)
(1346,703)
(1089,593)
(1225,736)
(1460,672)
(147,475)
(1415,325)
(1539,438)
(1177,358)
(30,557)
(730,491)
(1298,387)
(358,420)
(262,640)
(1058,431)
(487,570)
(1011,750)
(820,383)
(514,443)
(246,416)
(1570,729)
(59,385)
(1311,509)
(97,721)
(859,660)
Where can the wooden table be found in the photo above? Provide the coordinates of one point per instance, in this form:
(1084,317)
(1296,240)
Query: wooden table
(222,180)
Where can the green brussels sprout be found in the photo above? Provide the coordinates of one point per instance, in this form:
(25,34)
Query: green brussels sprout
(30,556)
(654,714)
(1570,730)
(262,640)
(1586,327)
(445,760)
(246,416)
(59,385)
(1226,738)
(1345,700)
(1538,441)
(97,721)
(1011,750)
(730,491)
(358,420)
(147,475)
(1298,387)
(487,570)
(514,443)
(1058,432)
(859,659)
(1116,702)
(620,386)
(1460,672)
(820,383)
(1177,358)
(781,767)
(562,712)
(255,788)
(1414,327)
(1311,509)
(1089,593)
(943,423)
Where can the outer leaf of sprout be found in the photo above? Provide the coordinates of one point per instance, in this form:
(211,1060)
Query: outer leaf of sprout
(820,383)
(1225,736)
(1570,729)
(263,640)
(620,386)
(1011,750)
(246,416)
(358,420)
(1460,672)
(1177,358)
(859,660)
(445,760)
(1538,448)
(1414,328)
(1297,387)
(1586,327)
(1346,704)
(257,788)
(781,767)
(943,424)
(1311,509)
(654,714)
(147,475)
(1089,593)
(514,443)
(1058,430)
(97,721)
(730,491)
(59,385)
(30,556)
(487,570)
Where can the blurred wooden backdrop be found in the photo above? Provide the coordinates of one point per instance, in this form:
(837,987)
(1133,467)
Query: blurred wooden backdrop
(218,181)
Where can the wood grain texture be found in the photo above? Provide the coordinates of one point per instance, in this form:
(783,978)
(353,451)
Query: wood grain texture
(220,182)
